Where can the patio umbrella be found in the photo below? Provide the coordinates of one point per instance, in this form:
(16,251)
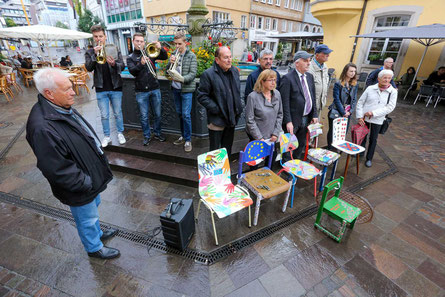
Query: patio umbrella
(43,33)
(427,35)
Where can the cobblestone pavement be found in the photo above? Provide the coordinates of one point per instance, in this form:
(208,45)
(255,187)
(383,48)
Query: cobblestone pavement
(400,253)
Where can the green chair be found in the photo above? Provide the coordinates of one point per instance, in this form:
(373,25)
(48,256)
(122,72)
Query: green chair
(336,209)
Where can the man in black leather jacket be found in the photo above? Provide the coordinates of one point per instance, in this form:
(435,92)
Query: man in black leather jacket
(70,156)
(148,94)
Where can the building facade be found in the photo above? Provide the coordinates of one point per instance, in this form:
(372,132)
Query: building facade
(342,18)
(13,9)
(49,12)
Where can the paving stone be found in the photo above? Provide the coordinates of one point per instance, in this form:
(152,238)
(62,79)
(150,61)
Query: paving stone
(336,293)
(425,227)
(3,291)
(433,271)
(311,294)
(320,290)
(14,282)
(220,282)
(346,291)
(128,285)
(251,289)
(7,278)
(276,249)
(385,262)
(384,223)
(406,252)
(43,291)
(417,285)
(350,246)
(392,211)
(418,194)
(12,294)
(193,279)
(279,282)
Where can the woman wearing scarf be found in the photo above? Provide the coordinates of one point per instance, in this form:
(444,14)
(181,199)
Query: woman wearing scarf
(376,102)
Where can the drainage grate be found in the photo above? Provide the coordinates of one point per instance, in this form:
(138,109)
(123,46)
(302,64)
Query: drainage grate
(4,125)
(11,143)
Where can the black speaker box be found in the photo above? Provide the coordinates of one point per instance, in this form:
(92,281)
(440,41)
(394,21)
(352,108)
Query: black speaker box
(178,223)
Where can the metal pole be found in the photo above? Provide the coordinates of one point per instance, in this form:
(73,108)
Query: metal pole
(24,11)
(417,71)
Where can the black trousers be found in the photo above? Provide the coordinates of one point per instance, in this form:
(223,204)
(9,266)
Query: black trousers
(373,134)
(224,138)
(300,132)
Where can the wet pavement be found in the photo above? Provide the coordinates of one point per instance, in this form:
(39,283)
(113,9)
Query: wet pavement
(400,253)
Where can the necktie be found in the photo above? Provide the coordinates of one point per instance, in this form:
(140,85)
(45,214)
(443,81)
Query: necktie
(308,104)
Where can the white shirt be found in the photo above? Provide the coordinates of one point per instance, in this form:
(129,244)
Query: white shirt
(307,88)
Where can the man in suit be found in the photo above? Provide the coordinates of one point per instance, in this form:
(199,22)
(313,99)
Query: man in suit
(297,90)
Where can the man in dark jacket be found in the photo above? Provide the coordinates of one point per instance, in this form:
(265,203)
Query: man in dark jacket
(148,93)
(108,84)
(219,93)
(373,76)
(266,60)
(70,156)
(297,91)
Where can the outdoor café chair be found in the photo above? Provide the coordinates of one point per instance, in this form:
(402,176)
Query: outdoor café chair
(337,209)
(440,96)
(13,82)
(340,143)
(263,182)
(4,88)
(28,75)
(296,168)
(318,155)
(425,91)
(217,192)
(79,81)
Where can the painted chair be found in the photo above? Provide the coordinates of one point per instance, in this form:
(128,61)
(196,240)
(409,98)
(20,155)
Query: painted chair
(320,156)
(217,192)
(296,168)
(337,209)
(263,182)
(340,143)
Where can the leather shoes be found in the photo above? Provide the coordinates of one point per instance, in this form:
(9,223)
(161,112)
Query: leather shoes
(368,163)
(105,253)
(108,234)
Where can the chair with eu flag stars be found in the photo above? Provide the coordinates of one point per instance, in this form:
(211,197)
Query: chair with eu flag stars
(320,156)
(340,143)
(263,182)
(296,168)
(337,209)
(217,192)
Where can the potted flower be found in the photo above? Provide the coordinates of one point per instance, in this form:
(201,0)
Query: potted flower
(375,59)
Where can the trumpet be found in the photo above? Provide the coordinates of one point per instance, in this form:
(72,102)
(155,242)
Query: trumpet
(147,60)
(101,56)
(152,51)
(172,67)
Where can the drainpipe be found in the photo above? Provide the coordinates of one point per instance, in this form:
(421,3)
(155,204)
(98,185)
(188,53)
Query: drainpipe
(358,29)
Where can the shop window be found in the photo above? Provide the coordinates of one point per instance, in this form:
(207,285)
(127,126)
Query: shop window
(139,14)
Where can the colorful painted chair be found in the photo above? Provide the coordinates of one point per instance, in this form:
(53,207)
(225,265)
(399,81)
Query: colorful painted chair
(217,192)
(320,156)
(336,209)
(263,182)
(340,143)
(296,168)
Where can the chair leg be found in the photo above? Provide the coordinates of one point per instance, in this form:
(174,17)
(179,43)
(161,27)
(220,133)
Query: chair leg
(197,213)
(358,163)
(323,177)
(294,182)
(250,218)
(347,165)
(257,209)
(415,100)
(429,99)
(334,170)
(437,101)
(214,228)
(286,200)
(351,226)
(315,187)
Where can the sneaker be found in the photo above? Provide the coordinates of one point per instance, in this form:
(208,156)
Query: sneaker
(146,141)
(188,146)
(179,141)
(121,138)
(368,163)
(106,141)
(160,137)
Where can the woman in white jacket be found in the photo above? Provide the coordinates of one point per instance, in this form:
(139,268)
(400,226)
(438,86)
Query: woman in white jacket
(375,103)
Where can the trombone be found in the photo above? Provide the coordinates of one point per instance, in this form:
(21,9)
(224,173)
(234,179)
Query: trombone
(152,54)
(168,72)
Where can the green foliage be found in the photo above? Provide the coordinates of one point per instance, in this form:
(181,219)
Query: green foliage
(279,54)
(10,22)
(375,57)
(86,20)
(59,24)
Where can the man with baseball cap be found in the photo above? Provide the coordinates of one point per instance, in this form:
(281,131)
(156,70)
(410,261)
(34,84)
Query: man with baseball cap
(319,70)
(297,90)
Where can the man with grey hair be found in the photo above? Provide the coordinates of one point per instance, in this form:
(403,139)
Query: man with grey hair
(70,156)
(297,91)
(266,60)
(373,77)
(319,70)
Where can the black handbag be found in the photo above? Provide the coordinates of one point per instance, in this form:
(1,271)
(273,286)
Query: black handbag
(334,113)
(386,122)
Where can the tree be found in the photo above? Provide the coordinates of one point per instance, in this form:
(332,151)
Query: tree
(10,22)
(59,24)
(86,20)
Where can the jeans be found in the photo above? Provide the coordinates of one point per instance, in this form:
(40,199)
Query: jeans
(103,101)
(87,223)
(146,100)
(224,138)
(183,102)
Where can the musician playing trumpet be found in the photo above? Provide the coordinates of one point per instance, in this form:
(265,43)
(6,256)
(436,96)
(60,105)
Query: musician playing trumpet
(182,71)
(148,94)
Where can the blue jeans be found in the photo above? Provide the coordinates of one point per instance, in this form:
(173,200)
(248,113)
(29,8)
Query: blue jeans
(87,223)
(147,100)
(103,101)
(183,102)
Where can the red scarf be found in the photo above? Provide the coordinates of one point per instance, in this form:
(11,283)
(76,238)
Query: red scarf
(384,88)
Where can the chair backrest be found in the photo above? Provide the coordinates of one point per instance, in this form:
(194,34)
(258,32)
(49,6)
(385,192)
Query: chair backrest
(340,126)
(333,185)
(13,78)
(3,82)
(213,166)
(426,90)
(288,142)
(315,130)
(254,151)
(442,92)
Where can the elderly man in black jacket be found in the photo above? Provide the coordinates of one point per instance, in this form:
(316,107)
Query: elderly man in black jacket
(297,91)
(70,156)
(219,93)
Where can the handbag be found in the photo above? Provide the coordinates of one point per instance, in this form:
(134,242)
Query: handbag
(386,122)
(334,113)
(359,133)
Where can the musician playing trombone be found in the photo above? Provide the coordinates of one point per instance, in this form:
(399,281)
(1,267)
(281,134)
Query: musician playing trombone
(182,70)
(108,83)
(148,94)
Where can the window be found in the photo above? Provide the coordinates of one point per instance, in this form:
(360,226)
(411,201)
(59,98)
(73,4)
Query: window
(289,26)
(260,22)
(274,24)
(299,5)
(263,1)
(253,21)
(382,48)
(292,4)
(269,1)
(286,3)
(221,17)
(243,21)
(283,25)
(267,24)
(277,2)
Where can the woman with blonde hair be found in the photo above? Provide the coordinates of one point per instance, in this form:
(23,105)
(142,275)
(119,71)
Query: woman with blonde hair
(345,97)
(264,111)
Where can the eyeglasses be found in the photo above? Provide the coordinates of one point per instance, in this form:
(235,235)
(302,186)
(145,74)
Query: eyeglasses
(271,80)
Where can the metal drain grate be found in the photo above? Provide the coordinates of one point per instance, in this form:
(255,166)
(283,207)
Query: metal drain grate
(11,143)
(4,125)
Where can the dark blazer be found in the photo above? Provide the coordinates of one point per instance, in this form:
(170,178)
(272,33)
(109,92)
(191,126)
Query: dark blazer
(251,80)
(293,98)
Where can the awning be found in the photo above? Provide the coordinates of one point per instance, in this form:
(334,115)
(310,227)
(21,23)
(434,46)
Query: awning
(294,36)
(42,33)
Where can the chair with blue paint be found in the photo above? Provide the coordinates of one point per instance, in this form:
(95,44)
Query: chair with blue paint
(296,168)
(263,182)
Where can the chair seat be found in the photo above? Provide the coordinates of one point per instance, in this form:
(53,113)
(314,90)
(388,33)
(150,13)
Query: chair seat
(322,156)
(342,209)
(258,182)
(301,169)
(225,199)
(348,147)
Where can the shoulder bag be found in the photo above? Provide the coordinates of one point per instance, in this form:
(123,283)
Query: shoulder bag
(386,122)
